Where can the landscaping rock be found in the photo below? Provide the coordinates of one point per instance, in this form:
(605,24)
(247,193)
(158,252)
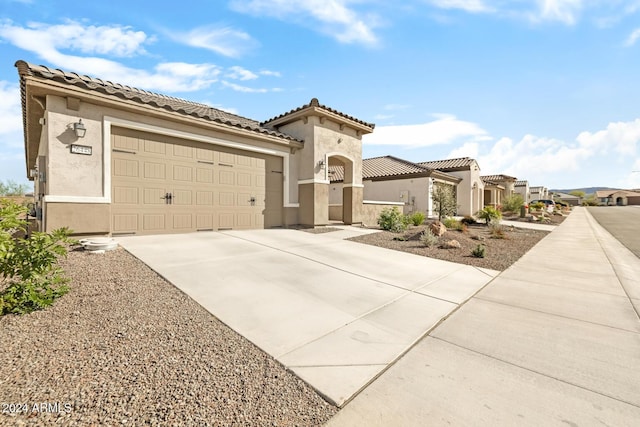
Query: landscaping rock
(451,244)
(438,228)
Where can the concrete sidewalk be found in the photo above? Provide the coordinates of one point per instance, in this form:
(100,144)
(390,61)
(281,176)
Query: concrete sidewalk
(553,340)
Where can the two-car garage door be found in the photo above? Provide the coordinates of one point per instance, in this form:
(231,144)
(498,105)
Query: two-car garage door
(162,184)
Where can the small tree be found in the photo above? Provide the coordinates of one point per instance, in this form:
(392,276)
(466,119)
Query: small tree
(30,278)
(12,188)
(578,193)
(444,200)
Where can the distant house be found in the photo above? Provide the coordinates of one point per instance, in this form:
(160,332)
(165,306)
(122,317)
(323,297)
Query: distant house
(522,188)
(539,193)
(497,188)
(569,199)
(618,197)
(470,189)
(388,179)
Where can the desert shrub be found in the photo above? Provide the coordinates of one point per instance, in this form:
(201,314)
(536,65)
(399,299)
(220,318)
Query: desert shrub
(29,267)
(512,203)
(468,220)
(489,214)
(479,251)
(417,218)
(590,201)
(538,205)
(428,238)
(496,231)
(12,188)
(392,220)
(452,223)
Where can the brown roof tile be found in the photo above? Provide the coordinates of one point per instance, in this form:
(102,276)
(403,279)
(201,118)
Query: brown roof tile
(315,103)
(169,103)
(494,178)
(522,183)
(385,167)
(449,164)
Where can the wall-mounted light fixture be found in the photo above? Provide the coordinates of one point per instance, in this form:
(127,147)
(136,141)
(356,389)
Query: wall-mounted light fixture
(321,164)
(79,129)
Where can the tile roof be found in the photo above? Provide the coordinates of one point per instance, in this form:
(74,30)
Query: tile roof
(386,167)
(611,192)
(315,103)
(443,165)
(162,102)
(494,178)
(522,183)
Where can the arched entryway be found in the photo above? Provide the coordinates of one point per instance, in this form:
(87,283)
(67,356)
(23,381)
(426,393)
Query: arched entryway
(619,201)
(345,206)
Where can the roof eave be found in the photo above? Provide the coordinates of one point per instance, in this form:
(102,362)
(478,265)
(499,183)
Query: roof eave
(320,112)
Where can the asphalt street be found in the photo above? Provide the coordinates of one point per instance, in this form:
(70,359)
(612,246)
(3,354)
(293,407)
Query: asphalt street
(623,222)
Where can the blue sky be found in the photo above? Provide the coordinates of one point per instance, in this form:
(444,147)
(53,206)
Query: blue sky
(544,90)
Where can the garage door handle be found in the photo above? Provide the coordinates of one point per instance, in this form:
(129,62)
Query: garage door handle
(168,198)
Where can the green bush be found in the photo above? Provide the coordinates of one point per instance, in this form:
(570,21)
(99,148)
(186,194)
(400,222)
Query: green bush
(29,267)
(452,223)
(392,220)
(417,218)
(538,206)
(479,251)
(512,203)
(489,214)
(428,238)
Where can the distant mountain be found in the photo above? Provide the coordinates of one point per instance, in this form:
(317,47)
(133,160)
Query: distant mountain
(587,190)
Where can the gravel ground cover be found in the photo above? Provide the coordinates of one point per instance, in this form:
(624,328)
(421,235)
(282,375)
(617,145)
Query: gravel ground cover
(125,347)
(500,253)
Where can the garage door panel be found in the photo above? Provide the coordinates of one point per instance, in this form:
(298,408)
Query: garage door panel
(154,222)
(153,170)
(226,177)
(154,196)
(226,198)
(125,168)
(155,147)
(204,198)
(204,176)
(182,197)
(226,219)
(212,186)
(125,195)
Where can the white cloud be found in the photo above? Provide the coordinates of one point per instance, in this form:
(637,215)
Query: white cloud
(332,17)
(270,73)
(445,129)
(472,6)
(468,149)
(168,77)
(622,137)
(565,11)
(245,89)
(633,37)
(112,40)
(239,73)
(225,41)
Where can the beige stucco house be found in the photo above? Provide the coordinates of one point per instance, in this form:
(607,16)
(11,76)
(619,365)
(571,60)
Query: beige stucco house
(618,197)
(112,159)
(395,181)
(470,189)
(539,193)
(497,188)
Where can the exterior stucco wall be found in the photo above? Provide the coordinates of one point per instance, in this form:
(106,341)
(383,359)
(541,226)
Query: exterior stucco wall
(81,218)
(413,192)
(371,211)
(523,190)
(470,200)
(71,174)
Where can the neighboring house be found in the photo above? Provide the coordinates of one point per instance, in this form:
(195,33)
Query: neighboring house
(522,188)
(470,194)
(497,188)
(390,179)
(618,197)
(539,193)
(111,159)
(569,199)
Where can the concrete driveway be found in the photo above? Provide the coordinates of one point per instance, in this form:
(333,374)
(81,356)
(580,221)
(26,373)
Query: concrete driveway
(337,313)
